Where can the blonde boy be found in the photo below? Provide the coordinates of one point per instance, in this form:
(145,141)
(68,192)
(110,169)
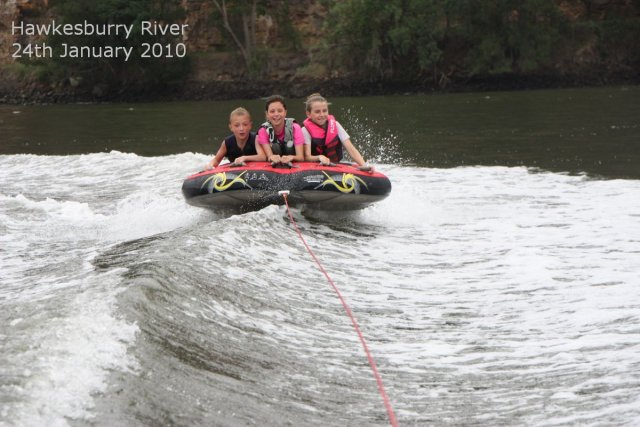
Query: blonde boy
(241,145)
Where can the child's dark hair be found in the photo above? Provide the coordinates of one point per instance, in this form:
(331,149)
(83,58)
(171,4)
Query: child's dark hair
(274,98)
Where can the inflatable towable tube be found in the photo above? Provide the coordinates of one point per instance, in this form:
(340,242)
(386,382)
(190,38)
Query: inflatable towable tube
(256,185)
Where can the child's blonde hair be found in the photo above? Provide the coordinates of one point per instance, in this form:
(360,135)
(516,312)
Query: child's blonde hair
(314,97)
(240,111)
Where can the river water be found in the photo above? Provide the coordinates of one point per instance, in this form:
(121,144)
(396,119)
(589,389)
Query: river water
(498,284)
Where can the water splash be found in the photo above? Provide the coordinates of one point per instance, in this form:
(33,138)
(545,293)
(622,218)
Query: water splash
(370,138)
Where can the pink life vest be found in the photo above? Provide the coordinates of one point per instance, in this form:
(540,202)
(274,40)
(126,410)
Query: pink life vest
(325,140)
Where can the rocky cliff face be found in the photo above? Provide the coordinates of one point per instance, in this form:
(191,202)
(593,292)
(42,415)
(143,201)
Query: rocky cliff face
(293,52)
(9,13)
(216,64)
(15,12)
(595,9)
(200,37)
(217,61)
(203,38)
(305,15)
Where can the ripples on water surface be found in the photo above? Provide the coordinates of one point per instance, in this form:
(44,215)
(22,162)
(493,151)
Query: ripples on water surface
(489,295)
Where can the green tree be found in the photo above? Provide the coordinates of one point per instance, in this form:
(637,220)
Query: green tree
(240,17)
(392,39)
(511,35)
(357,35)
(420,38)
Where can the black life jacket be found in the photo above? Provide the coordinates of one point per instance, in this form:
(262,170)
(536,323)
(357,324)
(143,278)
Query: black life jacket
(234,151)
(286,146)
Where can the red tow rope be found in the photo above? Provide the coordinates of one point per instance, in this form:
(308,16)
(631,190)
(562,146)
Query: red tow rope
(372,363)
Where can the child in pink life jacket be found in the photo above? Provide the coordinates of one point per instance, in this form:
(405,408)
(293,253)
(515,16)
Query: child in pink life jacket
(241,145)
(324,138)
(280,137)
